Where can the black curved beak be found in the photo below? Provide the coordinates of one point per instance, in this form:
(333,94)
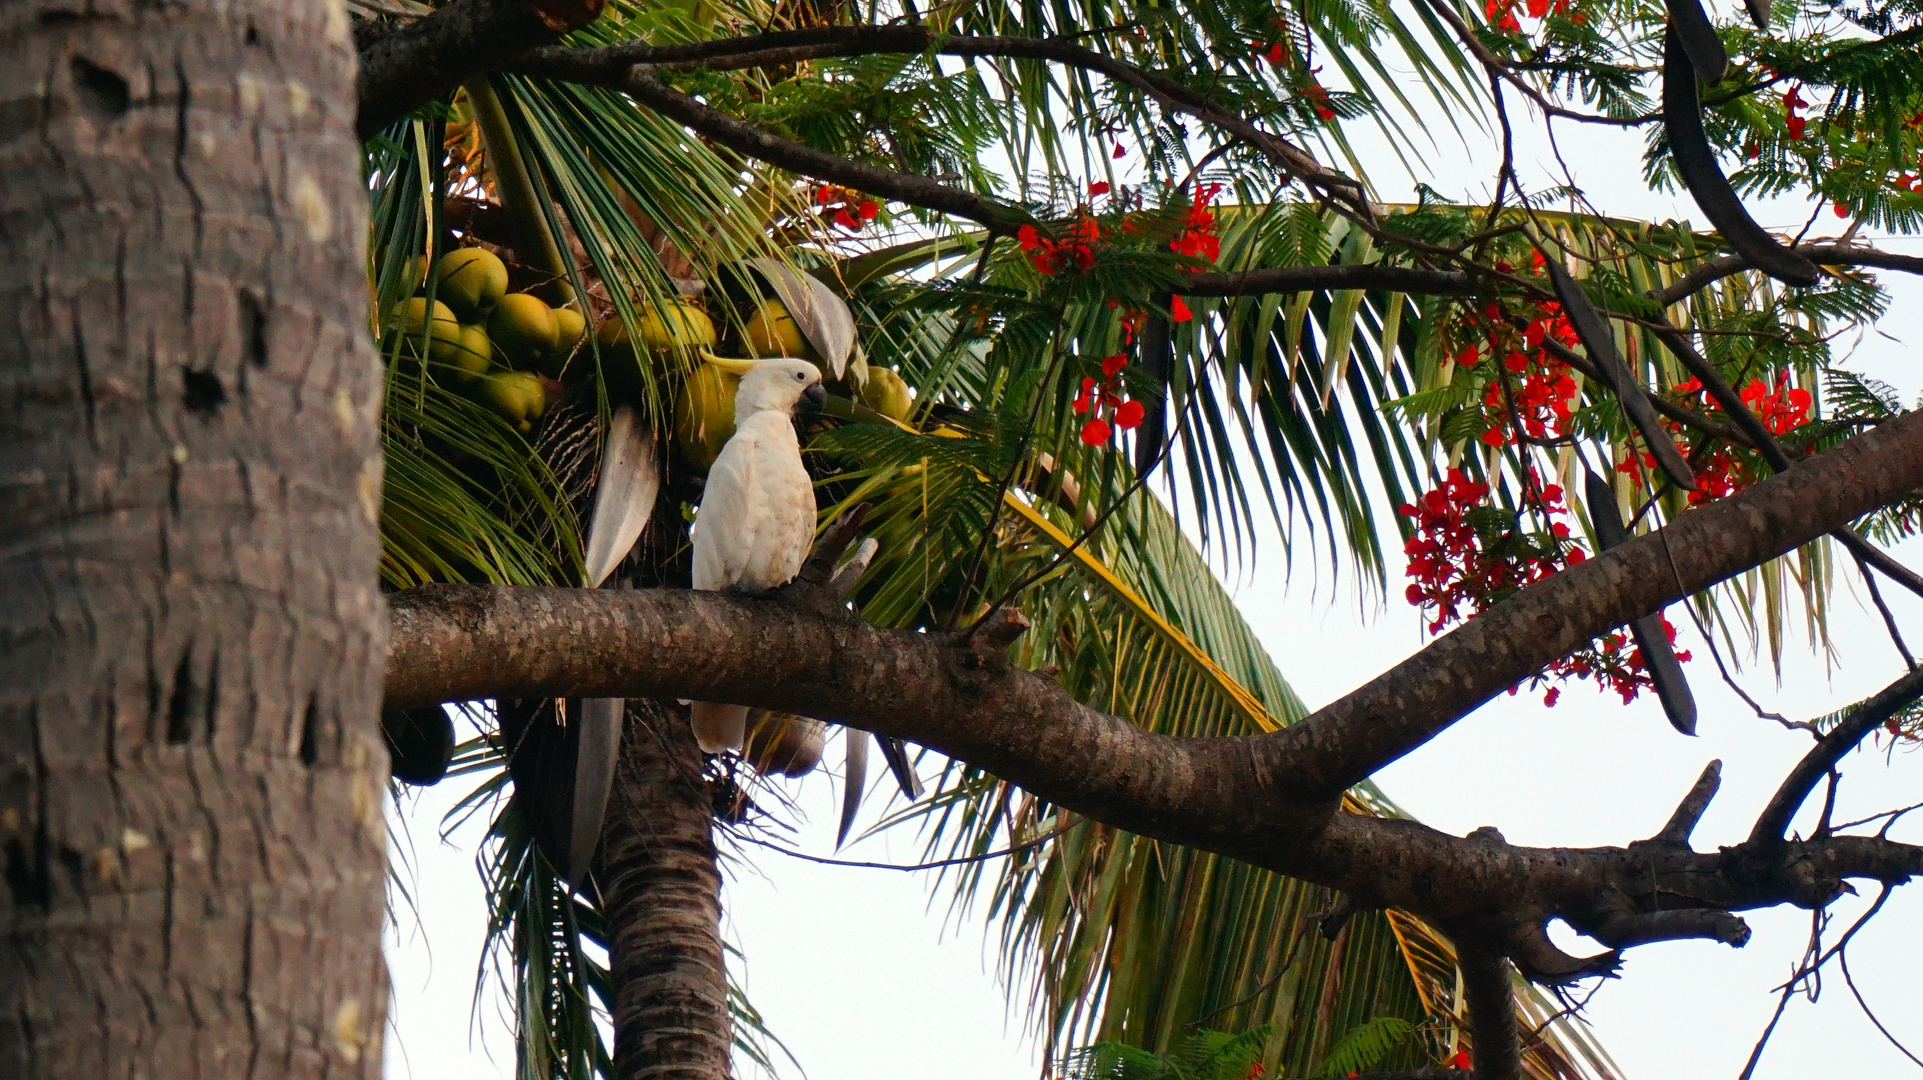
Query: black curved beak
(812,399)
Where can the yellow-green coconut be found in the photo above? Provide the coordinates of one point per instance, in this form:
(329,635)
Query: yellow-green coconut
(523,328)
(414,318)
(471,281)
(704,414)
(466,359)
(772,331)
(887,393)
(673,324)
(517,396)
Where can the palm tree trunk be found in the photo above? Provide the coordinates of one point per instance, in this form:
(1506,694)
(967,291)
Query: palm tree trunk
(191,775)
(663,893)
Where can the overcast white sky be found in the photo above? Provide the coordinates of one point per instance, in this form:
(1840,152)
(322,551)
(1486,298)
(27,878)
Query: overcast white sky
(863,981)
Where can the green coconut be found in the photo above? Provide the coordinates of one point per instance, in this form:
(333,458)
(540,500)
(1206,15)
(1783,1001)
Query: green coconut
(523,328)
(887,393)
(704,414)
(517,396)
(569,325)
(413,318)
(674,324)
(466,358)
(772,331)
(471,280)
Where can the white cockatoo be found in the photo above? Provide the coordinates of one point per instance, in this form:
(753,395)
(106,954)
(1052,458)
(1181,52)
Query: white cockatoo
(757,515)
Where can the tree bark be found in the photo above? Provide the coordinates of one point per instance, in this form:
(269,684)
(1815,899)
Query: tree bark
(662,889)
(191,773)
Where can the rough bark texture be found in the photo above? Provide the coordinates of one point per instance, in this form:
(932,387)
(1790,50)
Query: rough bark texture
(1492,1015)
(191,774)
(1269,799)
(662,890)
(409,65)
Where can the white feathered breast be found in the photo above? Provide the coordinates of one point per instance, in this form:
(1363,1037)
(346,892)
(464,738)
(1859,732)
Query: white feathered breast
(758,511)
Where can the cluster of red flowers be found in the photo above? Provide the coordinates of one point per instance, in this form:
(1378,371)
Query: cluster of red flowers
(1792,101)
(1197,239)
(1543,397)
(846,207)
(1502,13)
(1719,472)
(1104,398)
(1456,573)
(1461,571)
(1073,251)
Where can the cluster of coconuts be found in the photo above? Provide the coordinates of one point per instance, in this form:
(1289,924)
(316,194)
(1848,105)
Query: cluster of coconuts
(704,406)
(496,345)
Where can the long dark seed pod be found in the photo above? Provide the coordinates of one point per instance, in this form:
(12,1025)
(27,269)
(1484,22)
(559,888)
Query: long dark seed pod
(1696,164)
(1659,658)
(1706,53)
(1155,359)
(1596,338)
(1758,13)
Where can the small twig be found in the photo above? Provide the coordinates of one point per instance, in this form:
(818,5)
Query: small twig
(1756,1055)
(1843,960)
(1889,618)
(1730,681)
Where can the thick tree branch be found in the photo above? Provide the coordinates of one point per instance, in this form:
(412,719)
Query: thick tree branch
(1765,443)
(411,64)
(1774,821)
(1269,799)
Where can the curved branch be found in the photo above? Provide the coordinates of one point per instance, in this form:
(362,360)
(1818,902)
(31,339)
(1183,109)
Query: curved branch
(620,66)
(1270,800)
(1774,821)
(414,63)
(747,139)
(1715,269)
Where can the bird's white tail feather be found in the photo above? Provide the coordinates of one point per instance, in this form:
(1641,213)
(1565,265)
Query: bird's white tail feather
(719,727)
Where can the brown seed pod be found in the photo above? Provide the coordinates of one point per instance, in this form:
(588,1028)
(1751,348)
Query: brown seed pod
(1659,657)
(1696,164)
(1698,38)
(1601,344)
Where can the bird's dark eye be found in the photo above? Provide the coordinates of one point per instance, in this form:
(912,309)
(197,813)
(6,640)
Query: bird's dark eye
(800,377)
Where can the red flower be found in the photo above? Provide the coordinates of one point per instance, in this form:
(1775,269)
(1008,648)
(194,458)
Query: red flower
(1793,100)
(1099,187)
(1119,152)
(1113,364)
(866,209)
(1095,432)
(1178,311)
(1274,54)
(1129,415)
(1842,211)
(1461,1060)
